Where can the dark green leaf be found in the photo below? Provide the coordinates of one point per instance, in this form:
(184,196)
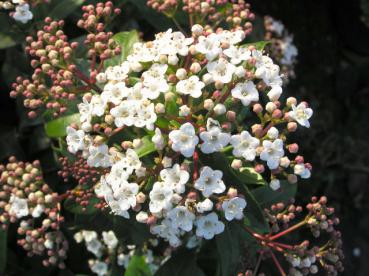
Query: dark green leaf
(266,196)
(3,250)
(248,175)
(137,267)
(65,8)
(182,263)
(57,128)
(6,41)
(171,107)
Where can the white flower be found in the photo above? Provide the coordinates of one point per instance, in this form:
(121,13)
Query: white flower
(18,206)
(166,162)
(273,133)
(142,217)
(233,208)
(110,239)
(244,145)
(204,206)
(100,268)
(153,87)
(210,181)
(181,218)
(175,178)
(131,161)
(184,111)
(301,114)
(221,70)
(275,184)
(78,237)
(117,73)
(160,197)
(89,235)
(214,140)
(275,93)
(237,54)
(98,105)
(208,226)
(272,153)
(209,46)
(220,109)
(158,139)
(146,115)
(38,210)
(126,195)
(124,114)
(98,156)
(22,13)
(75,139)
(191,86)
(246,92)
(302,171)
(123,260)
(115,92)
(184,140)
(166,231)
(95,247)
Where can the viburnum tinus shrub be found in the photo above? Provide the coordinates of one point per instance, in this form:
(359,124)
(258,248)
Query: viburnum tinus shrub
(181,146)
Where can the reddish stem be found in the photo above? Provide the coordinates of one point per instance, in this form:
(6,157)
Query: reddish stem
(195,165)
(278,265)
(289,230)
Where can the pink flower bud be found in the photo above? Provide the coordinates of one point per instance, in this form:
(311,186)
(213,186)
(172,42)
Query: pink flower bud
(293,148)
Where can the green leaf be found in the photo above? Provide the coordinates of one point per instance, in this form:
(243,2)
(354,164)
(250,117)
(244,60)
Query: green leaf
(181,263)
(146,148)
(248,175)
(266,196)
(260,45)
(57,127)
(137,267)
(231,247)
(6,41)
(75,208)
(65,8)
(126,40)
(171,107)
(3,250)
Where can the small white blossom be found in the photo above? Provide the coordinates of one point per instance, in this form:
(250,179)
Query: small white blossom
(273,133)
(208,226)
(204,206)
(98,156)
(158,139)
(110,239)
(221,70)
(301,114)
(184,140)
(214,140)
(244,145)
(181,218)
(209,46)
(22,13)
(100,268)
(237,54)
(233,208)
(160,197)
(210,181)
(18,206)
(272,153)
(191,86)
(75,139)
(246,92)
(184,111)
(175,177)
(275,184)
(302,171)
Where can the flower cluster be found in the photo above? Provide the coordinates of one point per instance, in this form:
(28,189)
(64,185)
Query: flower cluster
(282,48)
(235,13)
(107,251)
(27,199)
(20,9)
(58,76)
(181,97)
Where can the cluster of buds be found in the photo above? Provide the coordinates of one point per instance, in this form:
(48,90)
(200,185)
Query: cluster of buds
(26,198)
(59,78)
(99,42)
(107,250)
(236,13)
(282,48)
(302,258)
(86,176)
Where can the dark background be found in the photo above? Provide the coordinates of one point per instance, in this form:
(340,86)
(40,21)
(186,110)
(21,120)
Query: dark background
(332,74)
